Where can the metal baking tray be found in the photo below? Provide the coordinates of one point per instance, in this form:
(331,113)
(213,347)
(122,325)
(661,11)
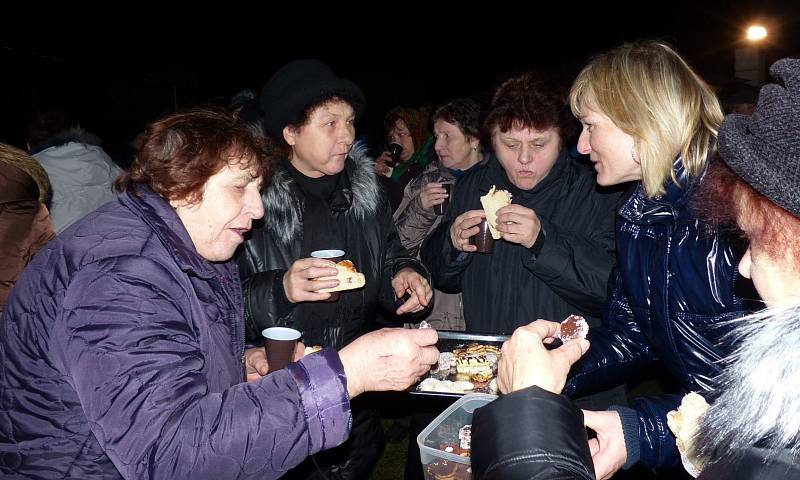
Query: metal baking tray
(450,340)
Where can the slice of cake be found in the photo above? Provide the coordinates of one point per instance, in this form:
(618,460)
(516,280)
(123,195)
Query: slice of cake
(349,278)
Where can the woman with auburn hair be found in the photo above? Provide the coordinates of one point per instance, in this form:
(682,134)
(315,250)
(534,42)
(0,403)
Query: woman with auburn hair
(408,128)
(122,349)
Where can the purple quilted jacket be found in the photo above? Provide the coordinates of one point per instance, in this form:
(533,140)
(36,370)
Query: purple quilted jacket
(121,357)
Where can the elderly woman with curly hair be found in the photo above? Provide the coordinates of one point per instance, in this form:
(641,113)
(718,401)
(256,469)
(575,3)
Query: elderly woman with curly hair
(122,349)
(456,127)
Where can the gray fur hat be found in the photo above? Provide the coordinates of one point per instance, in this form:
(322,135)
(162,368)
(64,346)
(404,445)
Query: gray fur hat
(764,149)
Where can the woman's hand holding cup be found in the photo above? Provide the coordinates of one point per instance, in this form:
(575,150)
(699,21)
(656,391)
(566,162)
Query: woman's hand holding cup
(464,227)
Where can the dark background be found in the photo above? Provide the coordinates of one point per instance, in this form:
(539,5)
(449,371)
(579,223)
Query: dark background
(118,71)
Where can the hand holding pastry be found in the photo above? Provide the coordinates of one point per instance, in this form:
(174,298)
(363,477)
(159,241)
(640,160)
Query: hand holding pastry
(464,227)
(518,224)
(303,281)
(526,362)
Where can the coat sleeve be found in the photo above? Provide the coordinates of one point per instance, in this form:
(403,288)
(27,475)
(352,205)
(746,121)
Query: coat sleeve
(446,264)
(395,258)
(129,345)
(265,302)
(576,264)
(531,433)
(412,221)
(648,439)
(619,351)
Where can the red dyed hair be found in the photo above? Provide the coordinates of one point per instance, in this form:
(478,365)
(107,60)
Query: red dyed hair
(727,201)
(528,101)
(179,153)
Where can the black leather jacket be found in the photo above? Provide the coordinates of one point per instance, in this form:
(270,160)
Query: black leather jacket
(372,245)
(530,433)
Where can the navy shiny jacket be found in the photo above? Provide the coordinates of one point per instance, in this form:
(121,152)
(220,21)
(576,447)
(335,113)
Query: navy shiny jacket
(672,288)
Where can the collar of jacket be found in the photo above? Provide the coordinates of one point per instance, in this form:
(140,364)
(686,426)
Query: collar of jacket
(159,215)
(77,135)
(284,202)
(497,176)
(448,173)
(664,209)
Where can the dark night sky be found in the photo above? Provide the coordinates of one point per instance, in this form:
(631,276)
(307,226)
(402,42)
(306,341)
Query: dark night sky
(115,79)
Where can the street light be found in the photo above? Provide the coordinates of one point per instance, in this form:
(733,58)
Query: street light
(749,57)
(756,33)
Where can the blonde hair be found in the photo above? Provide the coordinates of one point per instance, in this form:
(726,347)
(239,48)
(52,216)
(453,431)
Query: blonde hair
(652,94)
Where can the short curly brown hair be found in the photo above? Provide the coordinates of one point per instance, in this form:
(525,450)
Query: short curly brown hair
(528,100)
(464,113)
(179,153)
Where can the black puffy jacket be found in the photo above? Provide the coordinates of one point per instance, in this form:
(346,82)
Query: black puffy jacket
(514,285)
(372,245)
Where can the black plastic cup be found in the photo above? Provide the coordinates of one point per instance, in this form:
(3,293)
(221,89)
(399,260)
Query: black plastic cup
(395,150)
(442,207)
(483,239)
(280,343)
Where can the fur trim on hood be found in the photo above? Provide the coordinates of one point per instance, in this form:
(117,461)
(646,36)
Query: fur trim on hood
(75,134)
(284,207)
(759,403)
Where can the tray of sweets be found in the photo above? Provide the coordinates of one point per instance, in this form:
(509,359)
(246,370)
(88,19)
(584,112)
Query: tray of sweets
(467,364)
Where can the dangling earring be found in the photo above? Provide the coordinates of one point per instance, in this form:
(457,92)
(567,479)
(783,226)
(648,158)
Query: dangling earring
(633,156)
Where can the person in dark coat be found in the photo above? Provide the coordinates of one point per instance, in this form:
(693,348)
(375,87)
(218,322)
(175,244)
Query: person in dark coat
(325,195)
(557,245)
(750,431)
(122,349)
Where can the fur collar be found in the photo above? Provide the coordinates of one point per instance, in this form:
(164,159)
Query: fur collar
(759,404)
(284,203)
(75,134)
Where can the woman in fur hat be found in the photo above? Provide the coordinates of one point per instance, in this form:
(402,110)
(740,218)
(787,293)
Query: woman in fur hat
(325,195)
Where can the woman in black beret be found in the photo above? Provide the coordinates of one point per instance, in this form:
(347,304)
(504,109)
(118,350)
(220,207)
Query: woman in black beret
(325,195)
